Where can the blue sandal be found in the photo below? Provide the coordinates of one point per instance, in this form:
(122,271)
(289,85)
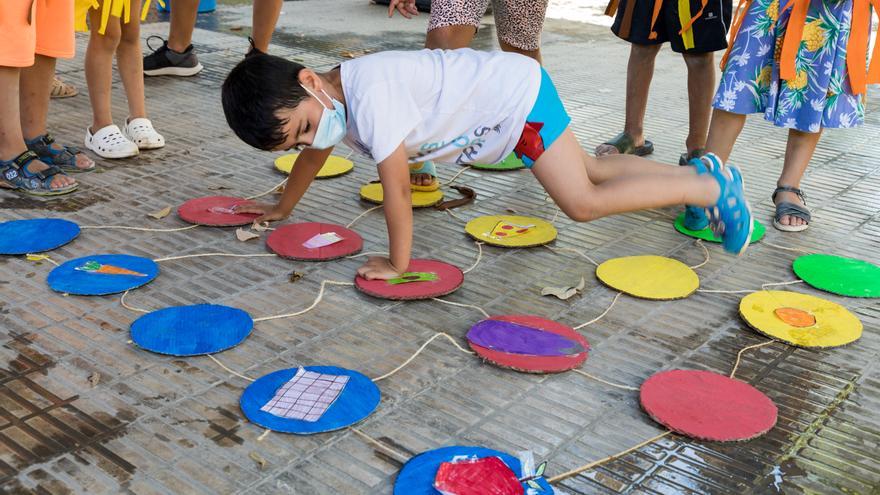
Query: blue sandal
(16,174)
(65,158)
(695,217)
(731,217)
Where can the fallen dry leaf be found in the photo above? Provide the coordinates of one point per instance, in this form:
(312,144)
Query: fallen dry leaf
(217,188)
(94,378)
(564,293)
(236,28)
(245,235)
(294,276)
(260,227)
(159,215)
(259,460)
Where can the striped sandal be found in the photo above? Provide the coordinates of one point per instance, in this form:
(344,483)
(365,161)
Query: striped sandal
(61,89)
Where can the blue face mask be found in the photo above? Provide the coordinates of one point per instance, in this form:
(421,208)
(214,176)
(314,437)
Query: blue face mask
(331,128)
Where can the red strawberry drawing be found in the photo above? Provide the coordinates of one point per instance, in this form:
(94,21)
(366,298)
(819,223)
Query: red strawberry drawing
(486,476)
(530,144)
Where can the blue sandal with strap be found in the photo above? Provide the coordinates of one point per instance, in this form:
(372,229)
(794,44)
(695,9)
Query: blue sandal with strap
(731,217)
(426,168)
(787,208)
(64,158)
(18,176)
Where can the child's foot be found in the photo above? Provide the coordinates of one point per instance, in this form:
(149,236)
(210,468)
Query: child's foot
(167,62)
(731,217)
(27,174)
(109,142)
(792,214)
(423,177)
(695,217)
(624,144)
(140,131)
(67,158)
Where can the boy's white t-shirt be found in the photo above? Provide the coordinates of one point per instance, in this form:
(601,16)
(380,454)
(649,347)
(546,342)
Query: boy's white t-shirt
(450,106)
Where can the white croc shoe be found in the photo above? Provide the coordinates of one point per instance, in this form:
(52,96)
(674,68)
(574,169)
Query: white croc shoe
(109,142)
(140,131)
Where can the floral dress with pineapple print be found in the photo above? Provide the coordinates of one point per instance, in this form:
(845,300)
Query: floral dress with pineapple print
(820,96)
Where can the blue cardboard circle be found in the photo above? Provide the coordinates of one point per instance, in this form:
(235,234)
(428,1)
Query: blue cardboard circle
(191,330)
(36,235)
(69,278)
(358,399)
(417,475)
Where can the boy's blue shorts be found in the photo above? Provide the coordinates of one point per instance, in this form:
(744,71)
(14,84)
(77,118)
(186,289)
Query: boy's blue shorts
(544,124)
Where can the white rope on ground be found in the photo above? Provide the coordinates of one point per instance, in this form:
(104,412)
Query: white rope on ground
(593,464)
(140,229)
(792,282)
(453,215)
(422,348)
(744,349)
(361,216)
(311,307)
(130,308)
(463,170)
(479,256)
(555,215)
(594,320)
(349,154)
(229,370)
(399,457)
(617,385)
(368,253)
(270,191)
(705,252)
(777,246)
(264,435)
(481,310)
(229,255)
(575,251)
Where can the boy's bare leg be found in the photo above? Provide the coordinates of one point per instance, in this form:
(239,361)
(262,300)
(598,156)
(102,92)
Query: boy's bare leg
(587,188)
(35,87)
(723,131)
(131,64)
(183,22)
(798,153)
(11,138)
(701,90)
(265,17)
(99,67)
(639,73)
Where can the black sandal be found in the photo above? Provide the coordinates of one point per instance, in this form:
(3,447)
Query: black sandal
(625,145)
(791,209)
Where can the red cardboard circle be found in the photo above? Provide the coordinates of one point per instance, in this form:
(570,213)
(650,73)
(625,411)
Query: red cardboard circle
(208,211)
(449,278)
(288,241)
(707,406)
(536,361)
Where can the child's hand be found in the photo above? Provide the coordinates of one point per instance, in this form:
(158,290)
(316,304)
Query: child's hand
(267,212)
(407,8)
(378,268)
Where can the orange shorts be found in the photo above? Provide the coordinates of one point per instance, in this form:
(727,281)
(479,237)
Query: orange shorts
(29,27)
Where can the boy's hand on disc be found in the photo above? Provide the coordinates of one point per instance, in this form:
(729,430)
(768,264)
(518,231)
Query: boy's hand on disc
(267,212)
(378,268)
(407,8)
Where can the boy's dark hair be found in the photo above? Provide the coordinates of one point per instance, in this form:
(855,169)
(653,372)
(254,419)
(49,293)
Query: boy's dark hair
(253,94)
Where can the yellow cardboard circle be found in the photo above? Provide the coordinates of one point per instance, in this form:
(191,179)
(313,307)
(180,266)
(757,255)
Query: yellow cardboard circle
(649,277)
(420,199)
(835,325)
(333,167)
(511,230)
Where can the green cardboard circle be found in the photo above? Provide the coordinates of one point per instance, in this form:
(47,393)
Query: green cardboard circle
(707,235)
(511,162)
(839,275)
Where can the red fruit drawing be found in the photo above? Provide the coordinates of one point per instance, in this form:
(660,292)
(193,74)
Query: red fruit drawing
(486,476)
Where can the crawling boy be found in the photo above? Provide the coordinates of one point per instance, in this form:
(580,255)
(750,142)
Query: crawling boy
(455,106)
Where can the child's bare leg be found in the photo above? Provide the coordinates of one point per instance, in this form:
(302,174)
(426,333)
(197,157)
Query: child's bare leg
(131,64)
(99,67)
(566,173)
(265,17)
(798,153)
(723,131)
(701,90)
